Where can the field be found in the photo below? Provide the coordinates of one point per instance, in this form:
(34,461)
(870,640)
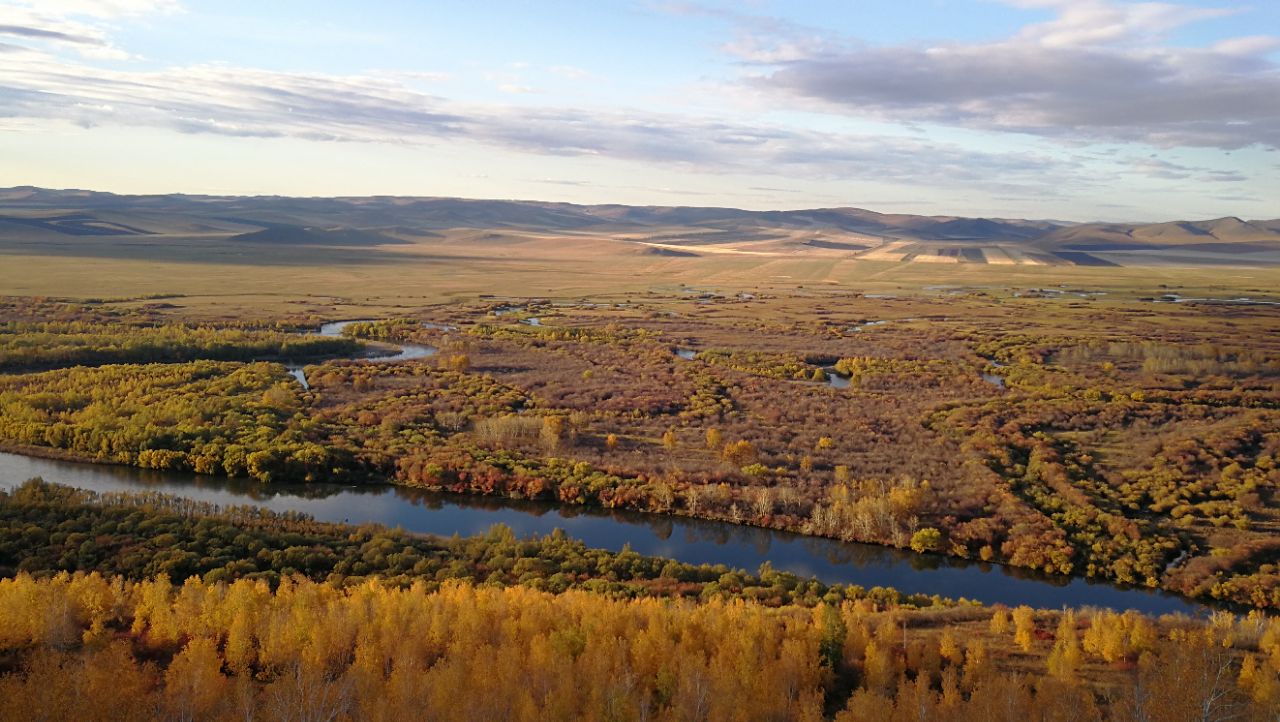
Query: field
(325,282)
(1118,422)
(288,255)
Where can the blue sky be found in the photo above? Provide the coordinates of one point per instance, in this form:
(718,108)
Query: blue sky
(1070,109)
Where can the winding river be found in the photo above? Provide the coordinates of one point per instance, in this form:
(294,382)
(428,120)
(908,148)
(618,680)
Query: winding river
(406,352)
(689,540)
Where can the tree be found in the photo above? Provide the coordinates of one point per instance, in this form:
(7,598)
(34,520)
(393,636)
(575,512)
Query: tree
(1191,678)
(1066,656)
(1000,621)
(977,664)
(1024,627)
(949,648)
(739,453)
(551,432)
(927,539)
(714,439)
(194,686)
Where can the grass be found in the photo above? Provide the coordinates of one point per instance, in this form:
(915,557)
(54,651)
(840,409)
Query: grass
(219,277)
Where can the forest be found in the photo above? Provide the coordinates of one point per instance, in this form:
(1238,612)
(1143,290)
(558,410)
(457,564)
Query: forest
(95,647)
(28,340)
(1098,437)
(145,606)
(47,528)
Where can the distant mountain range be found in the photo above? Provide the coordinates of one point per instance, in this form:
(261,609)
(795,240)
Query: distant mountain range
(30,215)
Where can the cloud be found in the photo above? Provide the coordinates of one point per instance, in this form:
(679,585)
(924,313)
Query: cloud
(1223,176)
(245,102)
(99,8)
(1096,72)
(1100,22)
(568,71)
(46,34)
(1019,84)
(81,26)
(761,38)
(1248,45)
(1156,168)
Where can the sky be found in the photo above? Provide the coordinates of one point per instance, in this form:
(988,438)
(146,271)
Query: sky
(1059,109)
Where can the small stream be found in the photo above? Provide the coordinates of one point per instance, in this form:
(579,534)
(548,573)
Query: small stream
(406,352)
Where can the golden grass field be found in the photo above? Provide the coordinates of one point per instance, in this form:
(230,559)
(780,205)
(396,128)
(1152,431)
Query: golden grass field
(223,278)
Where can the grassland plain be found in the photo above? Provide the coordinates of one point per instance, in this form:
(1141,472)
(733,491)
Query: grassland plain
(239,277)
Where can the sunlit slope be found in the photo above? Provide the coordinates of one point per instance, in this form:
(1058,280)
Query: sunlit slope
(84,243)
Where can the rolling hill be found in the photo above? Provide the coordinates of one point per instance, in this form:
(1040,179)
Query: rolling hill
(32,218)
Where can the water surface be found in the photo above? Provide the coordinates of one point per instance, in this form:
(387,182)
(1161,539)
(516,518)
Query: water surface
(688,540)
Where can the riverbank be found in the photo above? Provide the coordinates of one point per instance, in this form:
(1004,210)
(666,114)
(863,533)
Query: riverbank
(684,539)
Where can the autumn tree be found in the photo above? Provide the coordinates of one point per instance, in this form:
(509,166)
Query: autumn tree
(552,432)
(714,439)
(669,440)
(1024,627)
(739,453)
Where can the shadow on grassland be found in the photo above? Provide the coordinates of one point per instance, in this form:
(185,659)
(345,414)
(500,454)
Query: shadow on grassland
(205,251)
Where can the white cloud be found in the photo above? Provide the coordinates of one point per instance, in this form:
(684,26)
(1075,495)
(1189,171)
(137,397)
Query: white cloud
(97,8)
(79,24)
(1249,45)
(1097,72)
(1101,22)
(1058,78)
(233,101)
(568,71)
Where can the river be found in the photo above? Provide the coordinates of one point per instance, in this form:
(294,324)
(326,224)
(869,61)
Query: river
(688,540)
(405,352)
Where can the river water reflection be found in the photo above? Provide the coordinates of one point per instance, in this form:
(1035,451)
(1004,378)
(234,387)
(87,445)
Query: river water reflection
(688,540)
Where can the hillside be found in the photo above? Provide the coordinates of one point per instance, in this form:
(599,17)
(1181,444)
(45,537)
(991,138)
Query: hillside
(30,217)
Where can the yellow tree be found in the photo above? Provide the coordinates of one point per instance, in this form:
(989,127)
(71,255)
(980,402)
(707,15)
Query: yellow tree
(1066,656)
(714,439)
(740,453)
(949,648)
(1000,621)
(669,440)
(551,432)
(1024,627)
(194,686)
